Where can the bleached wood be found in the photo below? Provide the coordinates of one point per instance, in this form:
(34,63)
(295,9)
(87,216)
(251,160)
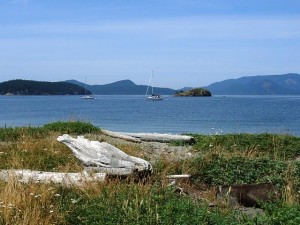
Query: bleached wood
(120,136)
(102,156)
(26,176)
(157,137)
(179,176)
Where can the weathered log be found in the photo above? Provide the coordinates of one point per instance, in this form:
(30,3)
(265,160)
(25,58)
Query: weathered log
(156,137)
(248,195)
(101,156)
(179,176)
(26,176)
(120,136)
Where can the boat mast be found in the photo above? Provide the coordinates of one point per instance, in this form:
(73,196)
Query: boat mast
(149,83)
(152,84)
(85,86)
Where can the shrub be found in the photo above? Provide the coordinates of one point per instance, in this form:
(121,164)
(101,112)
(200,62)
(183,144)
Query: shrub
(14,134)
(272,145)
(76,127)
(137,204)
(239,170)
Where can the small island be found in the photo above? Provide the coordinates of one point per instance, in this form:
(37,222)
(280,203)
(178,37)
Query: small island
(196,92)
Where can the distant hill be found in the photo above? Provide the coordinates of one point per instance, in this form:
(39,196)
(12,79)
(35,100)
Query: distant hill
(30,87)
(286,84)
(123,87)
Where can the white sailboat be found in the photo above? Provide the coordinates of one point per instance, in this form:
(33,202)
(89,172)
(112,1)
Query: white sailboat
(153,97)
(85,95)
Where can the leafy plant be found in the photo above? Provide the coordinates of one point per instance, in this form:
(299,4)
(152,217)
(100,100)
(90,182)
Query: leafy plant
(240,170)
(272,145)
(76,127)
(138,204)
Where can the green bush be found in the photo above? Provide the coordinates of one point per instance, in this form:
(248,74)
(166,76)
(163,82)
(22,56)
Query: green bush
(76,127)
(272,145)
(277,214)
(130,204)
(14,134)
(240,170)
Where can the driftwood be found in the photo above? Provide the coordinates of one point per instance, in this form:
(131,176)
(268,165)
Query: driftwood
(120,136)
(178,178)
(248,195)
(100,157)
(156,137)
(26,176)
(103,157)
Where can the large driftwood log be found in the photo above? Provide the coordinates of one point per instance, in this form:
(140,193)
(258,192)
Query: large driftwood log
(120,136)
(160,137)
(103,157)
(26,176)
(156,137)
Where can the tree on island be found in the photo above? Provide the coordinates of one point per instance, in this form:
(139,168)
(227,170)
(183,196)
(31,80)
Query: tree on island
(196,92)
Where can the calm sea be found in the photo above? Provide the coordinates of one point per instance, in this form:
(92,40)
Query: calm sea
(217,114)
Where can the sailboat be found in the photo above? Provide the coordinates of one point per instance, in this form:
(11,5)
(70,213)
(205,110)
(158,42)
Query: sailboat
(85,95)
(153,97)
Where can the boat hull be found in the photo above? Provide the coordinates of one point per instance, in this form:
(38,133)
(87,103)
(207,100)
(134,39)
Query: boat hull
(87,97)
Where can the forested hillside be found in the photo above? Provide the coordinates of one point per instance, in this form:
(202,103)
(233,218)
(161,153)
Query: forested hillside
(30,87)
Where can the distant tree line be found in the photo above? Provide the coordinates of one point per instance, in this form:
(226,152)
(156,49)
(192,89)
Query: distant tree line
(30,87)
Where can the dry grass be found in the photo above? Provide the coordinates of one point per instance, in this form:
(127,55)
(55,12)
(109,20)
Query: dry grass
(31,204)
(45,154)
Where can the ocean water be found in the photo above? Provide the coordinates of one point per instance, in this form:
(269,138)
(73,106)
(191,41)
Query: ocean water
(211,115)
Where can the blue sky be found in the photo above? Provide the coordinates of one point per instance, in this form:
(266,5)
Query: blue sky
(185,42)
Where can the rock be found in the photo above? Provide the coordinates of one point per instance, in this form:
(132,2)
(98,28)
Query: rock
(251,212)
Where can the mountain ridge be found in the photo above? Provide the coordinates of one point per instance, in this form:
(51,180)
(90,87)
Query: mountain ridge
(122,87)
(284,84)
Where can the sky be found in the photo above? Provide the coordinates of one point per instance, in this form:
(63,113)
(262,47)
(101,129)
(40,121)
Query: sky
(186,43)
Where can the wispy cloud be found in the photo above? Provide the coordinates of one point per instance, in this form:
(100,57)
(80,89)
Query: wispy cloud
(19,1)
(177,28)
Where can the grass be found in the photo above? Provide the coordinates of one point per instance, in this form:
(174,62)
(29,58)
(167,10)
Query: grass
(220,159)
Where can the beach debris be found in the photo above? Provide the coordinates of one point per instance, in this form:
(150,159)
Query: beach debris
(248,195)
(151,137)
(120,136)
(105,158)
(66,179)
(99,159)
(173,179)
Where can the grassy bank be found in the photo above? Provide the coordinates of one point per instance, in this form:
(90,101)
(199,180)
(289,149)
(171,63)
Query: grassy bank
(218,160)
